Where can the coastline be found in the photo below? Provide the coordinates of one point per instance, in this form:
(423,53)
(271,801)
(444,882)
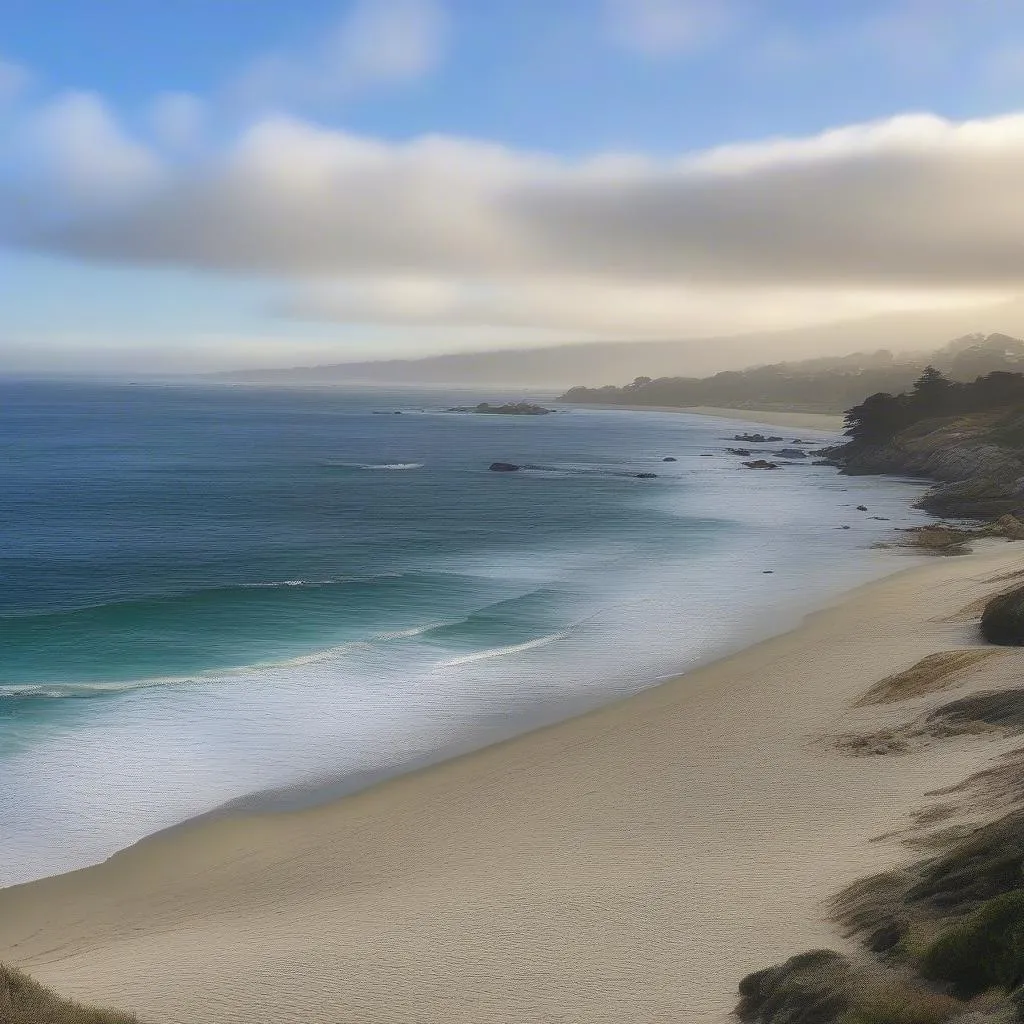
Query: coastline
(631,863)
(828,422)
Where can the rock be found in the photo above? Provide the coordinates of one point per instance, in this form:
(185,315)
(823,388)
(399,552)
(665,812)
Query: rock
(760,464)
(503,467)
(755,438)
(647,476)
(974,468)
(744,452)
(508,409)
(1002,622)
(862,508)
(670,458)
(791,453)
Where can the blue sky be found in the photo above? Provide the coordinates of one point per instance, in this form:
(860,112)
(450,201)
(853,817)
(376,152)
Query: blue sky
(232,182)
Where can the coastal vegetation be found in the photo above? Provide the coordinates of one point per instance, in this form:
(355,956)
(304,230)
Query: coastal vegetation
(814,385)
(942,939)
(24,1001)
(882,416)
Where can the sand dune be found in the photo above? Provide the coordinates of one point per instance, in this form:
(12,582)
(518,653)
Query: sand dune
(626,866)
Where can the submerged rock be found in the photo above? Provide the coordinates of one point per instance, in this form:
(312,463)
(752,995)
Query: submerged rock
(791,453)
(670,458)
(745,452)
(503,467)
(761,464)
(647,476)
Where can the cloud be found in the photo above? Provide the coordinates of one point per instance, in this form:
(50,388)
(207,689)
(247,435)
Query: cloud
(178,119)
(589,308)
(79,157)
(14,79)
(907,212)
(377,43)
(661,28)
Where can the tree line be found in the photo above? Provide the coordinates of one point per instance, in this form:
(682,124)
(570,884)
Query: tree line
(882,415)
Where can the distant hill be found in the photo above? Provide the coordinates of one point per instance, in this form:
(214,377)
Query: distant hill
(595,363)
(815,385)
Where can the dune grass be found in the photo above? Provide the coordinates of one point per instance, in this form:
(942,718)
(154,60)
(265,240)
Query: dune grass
(935,672)
(24,1001)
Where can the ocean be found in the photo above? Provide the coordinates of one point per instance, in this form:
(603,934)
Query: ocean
(209,592)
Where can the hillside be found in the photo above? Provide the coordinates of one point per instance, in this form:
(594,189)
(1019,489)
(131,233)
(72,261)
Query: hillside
(595,363)
(815,385)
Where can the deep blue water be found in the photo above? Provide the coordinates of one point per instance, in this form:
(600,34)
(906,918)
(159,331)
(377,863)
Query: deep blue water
(207,591)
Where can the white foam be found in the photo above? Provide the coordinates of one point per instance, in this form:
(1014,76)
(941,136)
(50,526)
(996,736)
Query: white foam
(500,652)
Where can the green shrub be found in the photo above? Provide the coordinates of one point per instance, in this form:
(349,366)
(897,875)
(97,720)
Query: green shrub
(24,1001)
(985,950)
(812,988)
(985,865)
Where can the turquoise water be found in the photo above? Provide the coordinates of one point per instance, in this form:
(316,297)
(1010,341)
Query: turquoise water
(211,591)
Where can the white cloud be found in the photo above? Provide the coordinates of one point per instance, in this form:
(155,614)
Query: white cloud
(178,119)
(377,43)
(909,212)
(598,308)
(660,28)
(80,156)
(14,78)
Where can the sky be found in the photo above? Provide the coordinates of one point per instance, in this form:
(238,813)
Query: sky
(226,183)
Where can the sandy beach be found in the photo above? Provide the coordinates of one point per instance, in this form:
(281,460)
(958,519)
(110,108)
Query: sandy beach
(767,417)
(628,865)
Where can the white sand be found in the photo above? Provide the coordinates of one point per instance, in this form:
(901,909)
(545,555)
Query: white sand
(766,417)
(776,418)
(625,867)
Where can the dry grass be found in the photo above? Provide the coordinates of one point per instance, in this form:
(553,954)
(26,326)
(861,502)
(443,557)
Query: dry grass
(24,1001)
(898,1002)
(935,672)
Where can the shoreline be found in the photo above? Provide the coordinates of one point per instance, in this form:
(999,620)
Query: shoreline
(825,422)
(646,824)
(332,784)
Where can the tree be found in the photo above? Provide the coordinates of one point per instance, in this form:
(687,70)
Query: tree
(932,393)
(877,418)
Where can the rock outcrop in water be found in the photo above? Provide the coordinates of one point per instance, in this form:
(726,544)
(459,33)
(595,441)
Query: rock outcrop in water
(979,471)
(968,438)
(508,409)
(761,464)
